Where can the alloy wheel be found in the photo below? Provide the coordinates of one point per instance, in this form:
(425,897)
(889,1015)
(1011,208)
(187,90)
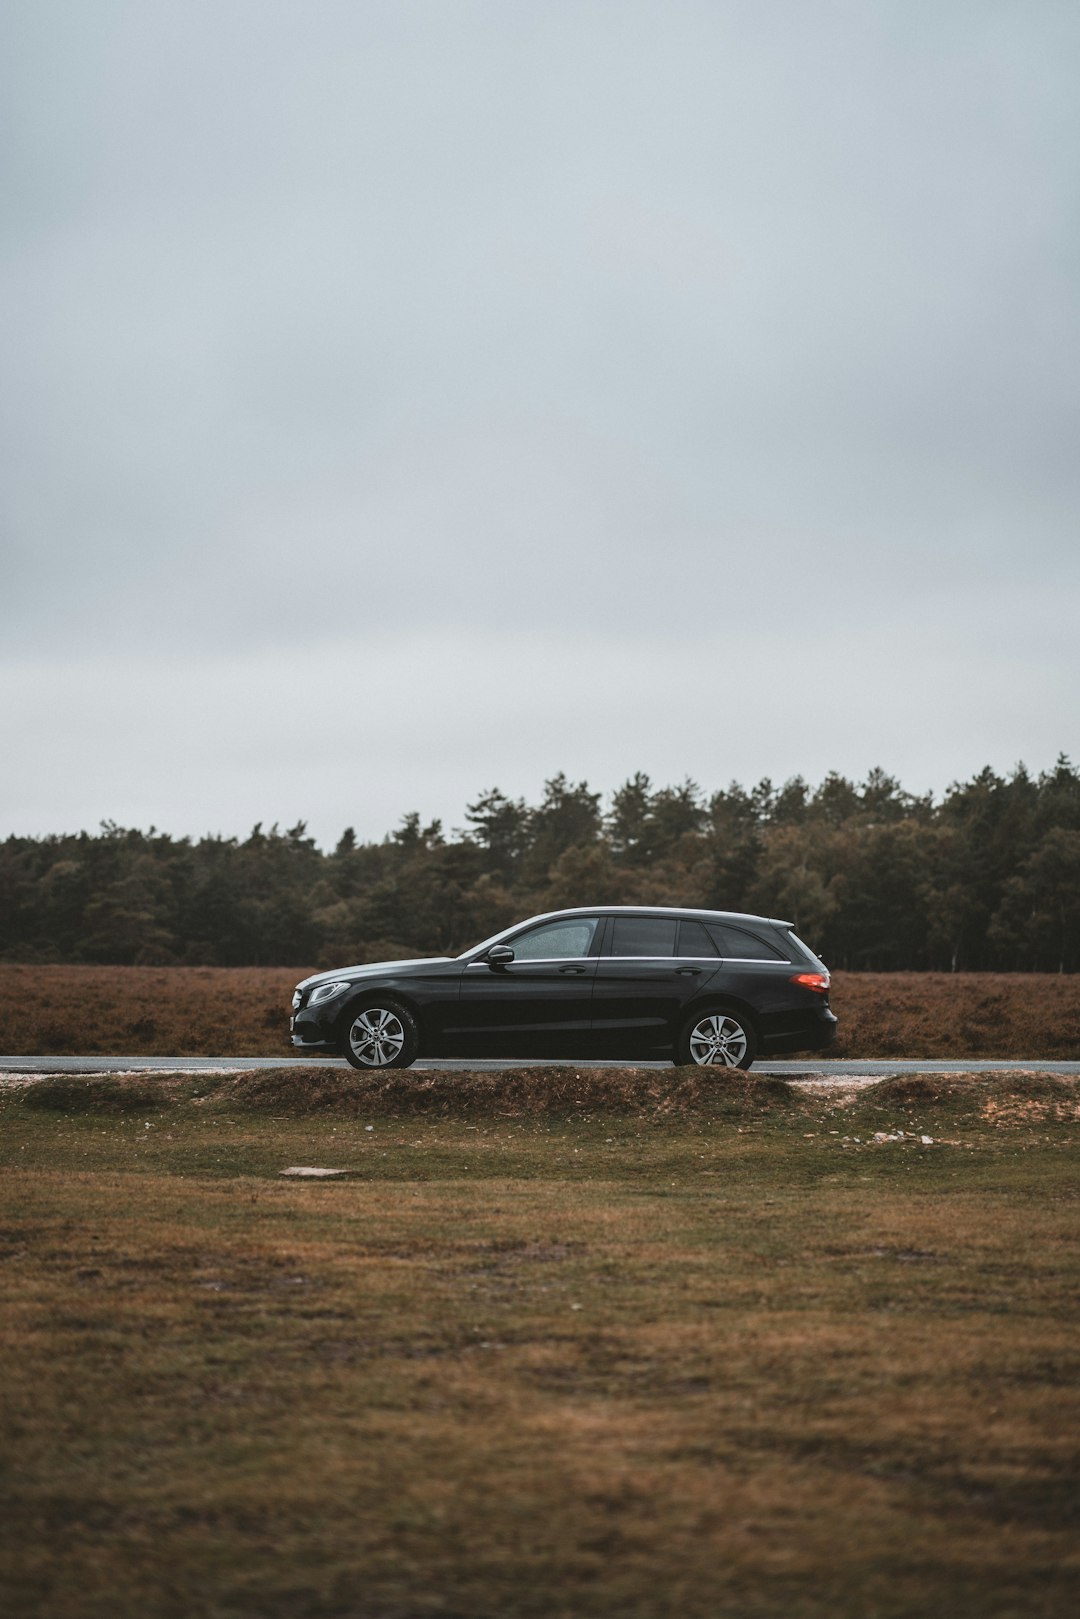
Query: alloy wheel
(718,1040)
(377,1036)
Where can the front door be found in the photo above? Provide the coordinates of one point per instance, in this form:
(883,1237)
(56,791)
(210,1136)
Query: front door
(539,1004)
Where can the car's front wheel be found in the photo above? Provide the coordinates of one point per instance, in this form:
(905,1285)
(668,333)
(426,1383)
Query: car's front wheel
(382,1035)
(717,1039)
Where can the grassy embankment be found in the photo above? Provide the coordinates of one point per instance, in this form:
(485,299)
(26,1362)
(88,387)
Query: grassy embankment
(561,1344)
(243,1011)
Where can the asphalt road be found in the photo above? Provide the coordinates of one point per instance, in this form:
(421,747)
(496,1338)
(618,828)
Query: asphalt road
(788,1068)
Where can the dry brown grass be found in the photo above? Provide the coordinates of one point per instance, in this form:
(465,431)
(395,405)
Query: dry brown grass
(243,1011)
(146,1011)
(547,1366)
(957,1014)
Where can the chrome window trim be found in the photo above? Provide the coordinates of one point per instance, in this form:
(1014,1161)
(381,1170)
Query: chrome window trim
(766,961)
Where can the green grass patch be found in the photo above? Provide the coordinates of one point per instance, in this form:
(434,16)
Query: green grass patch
(560,1343)
(68,1093)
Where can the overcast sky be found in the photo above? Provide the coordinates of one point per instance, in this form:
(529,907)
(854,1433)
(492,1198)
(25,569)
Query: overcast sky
(402,398)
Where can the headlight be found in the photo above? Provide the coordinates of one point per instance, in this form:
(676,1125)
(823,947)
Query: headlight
(297,997)
(323,992)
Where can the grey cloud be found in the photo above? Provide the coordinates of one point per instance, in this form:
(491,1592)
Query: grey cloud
(325,320)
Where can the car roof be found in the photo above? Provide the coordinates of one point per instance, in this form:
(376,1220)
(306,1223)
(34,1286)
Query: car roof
(659,910)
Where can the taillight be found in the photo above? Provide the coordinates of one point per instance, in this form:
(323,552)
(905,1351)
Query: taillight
(818,981)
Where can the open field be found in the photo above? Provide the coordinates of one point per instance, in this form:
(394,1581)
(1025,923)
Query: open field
(561,1344)
(243,1011)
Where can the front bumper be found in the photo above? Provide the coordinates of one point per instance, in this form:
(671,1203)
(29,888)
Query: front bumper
(310,1032)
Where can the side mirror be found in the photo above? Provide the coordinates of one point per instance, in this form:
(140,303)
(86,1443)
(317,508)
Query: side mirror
(499,955)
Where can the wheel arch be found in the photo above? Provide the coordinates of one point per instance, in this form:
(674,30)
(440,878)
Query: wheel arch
(720,1002)
(371,997)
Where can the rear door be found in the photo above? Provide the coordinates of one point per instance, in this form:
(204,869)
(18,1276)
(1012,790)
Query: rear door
(755,969)
(642,986)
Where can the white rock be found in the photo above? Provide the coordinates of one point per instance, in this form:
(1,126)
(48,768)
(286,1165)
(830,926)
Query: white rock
(307,1172)
(927,1141)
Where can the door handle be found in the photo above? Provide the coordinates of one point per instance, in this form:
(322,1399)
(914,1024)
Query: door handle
(571,969)
(688,972)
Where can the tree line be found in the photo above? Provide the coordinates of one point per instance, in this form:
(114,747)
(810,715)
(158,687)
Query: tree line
(873,877)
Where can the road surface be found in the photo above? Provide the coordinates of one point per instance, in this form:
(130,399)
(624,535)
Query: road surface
(789,1068)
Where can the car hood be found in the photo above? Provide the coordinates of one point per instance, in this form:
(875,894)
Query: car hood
(372,969)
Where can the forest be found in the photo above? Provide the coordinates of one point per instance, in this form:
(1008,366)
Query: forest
(874,877)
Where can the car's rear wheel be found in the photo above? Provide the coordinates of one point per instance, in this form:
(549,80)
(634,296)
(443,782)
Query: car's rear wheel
(717,1039)
(382,1035)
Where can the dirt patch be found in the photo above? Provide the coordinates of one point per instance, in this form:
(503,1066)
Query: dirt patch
(1030,1083)
(1012,1110)
(999,1099)
(512,1092)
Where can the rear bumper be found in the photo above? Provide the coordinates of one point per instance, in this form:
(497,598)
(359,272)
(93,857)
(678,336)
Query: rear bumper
(812,1029)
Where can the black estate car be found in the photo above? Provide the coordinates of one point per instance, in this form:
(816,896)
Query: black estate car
(708,987)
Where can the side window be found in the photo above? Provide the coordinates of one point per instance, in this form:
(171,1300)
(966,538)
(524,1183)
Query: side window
(694,941)
(571,937)
(793,939)
(736,944)
(643,936)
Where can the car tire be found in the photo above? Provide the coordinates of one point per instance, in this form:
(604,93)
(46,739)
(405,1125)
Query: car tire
(380,1034)
(716,1037)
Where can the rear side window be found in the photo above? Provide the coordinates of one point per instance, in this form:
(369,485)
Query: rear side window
(643,936)
(737,944)
(793,938)
(694,941)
